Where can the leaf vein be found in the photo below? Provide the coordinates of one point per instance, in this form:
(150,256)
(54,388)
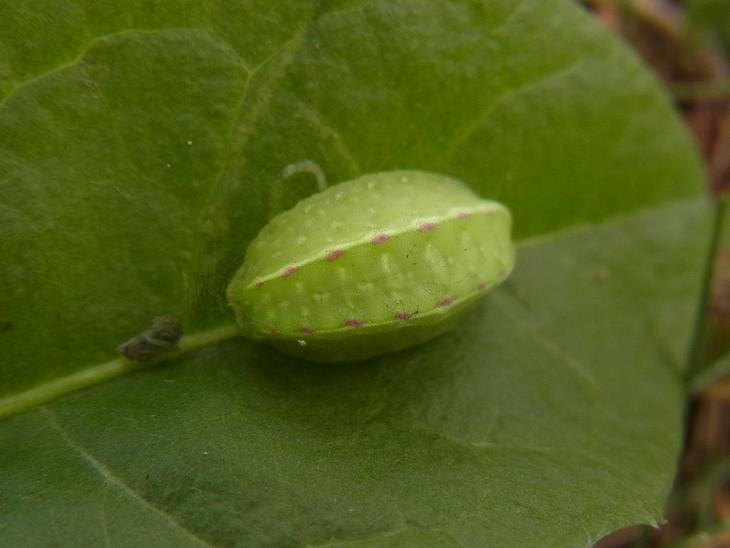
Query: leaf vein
(214,198)
(19,86)
(318,119)
(113,479)
(463,136)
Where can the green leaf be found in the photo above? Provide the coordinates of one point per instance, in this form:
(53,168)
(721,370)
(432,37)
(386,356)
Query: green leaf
(142,148)
(711,17)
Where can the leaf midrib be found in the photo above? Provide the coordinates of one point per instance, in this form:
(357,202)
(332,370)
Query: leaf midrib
(24,401)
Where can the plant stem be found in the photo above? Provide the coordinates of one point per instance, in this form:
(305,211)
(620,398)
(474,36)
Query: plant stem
(697,358)
(697,91)
(95,374)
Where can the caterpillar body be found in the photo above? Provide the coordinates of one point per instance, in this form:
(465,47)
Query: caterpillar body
(373,265)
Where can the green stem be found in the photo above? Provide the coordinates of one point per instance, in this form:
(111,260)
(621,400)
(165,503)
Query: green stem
(697,359)
(696,91)
(95,374)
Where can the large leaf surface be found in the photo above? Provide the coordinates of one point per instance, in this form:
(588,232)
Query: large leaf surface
(141,148)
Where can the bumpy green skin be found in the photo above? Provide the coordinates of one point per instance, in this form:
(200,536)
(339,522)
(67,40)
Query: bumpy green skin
(373,265)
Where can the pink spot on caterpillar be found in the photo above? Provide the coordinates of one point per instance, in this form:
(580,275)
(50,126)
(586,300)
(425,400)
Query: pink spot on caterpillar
(464,215)
(289,271)
(379,239)
(259,284)
(446,302)
(306,330)
(426,227)
(404,316)
(482,286)
(336,254)
(354,323)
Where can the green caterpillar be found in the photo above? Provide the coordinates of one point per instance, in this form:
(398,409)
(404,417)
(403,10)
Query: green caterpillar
(373,265)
